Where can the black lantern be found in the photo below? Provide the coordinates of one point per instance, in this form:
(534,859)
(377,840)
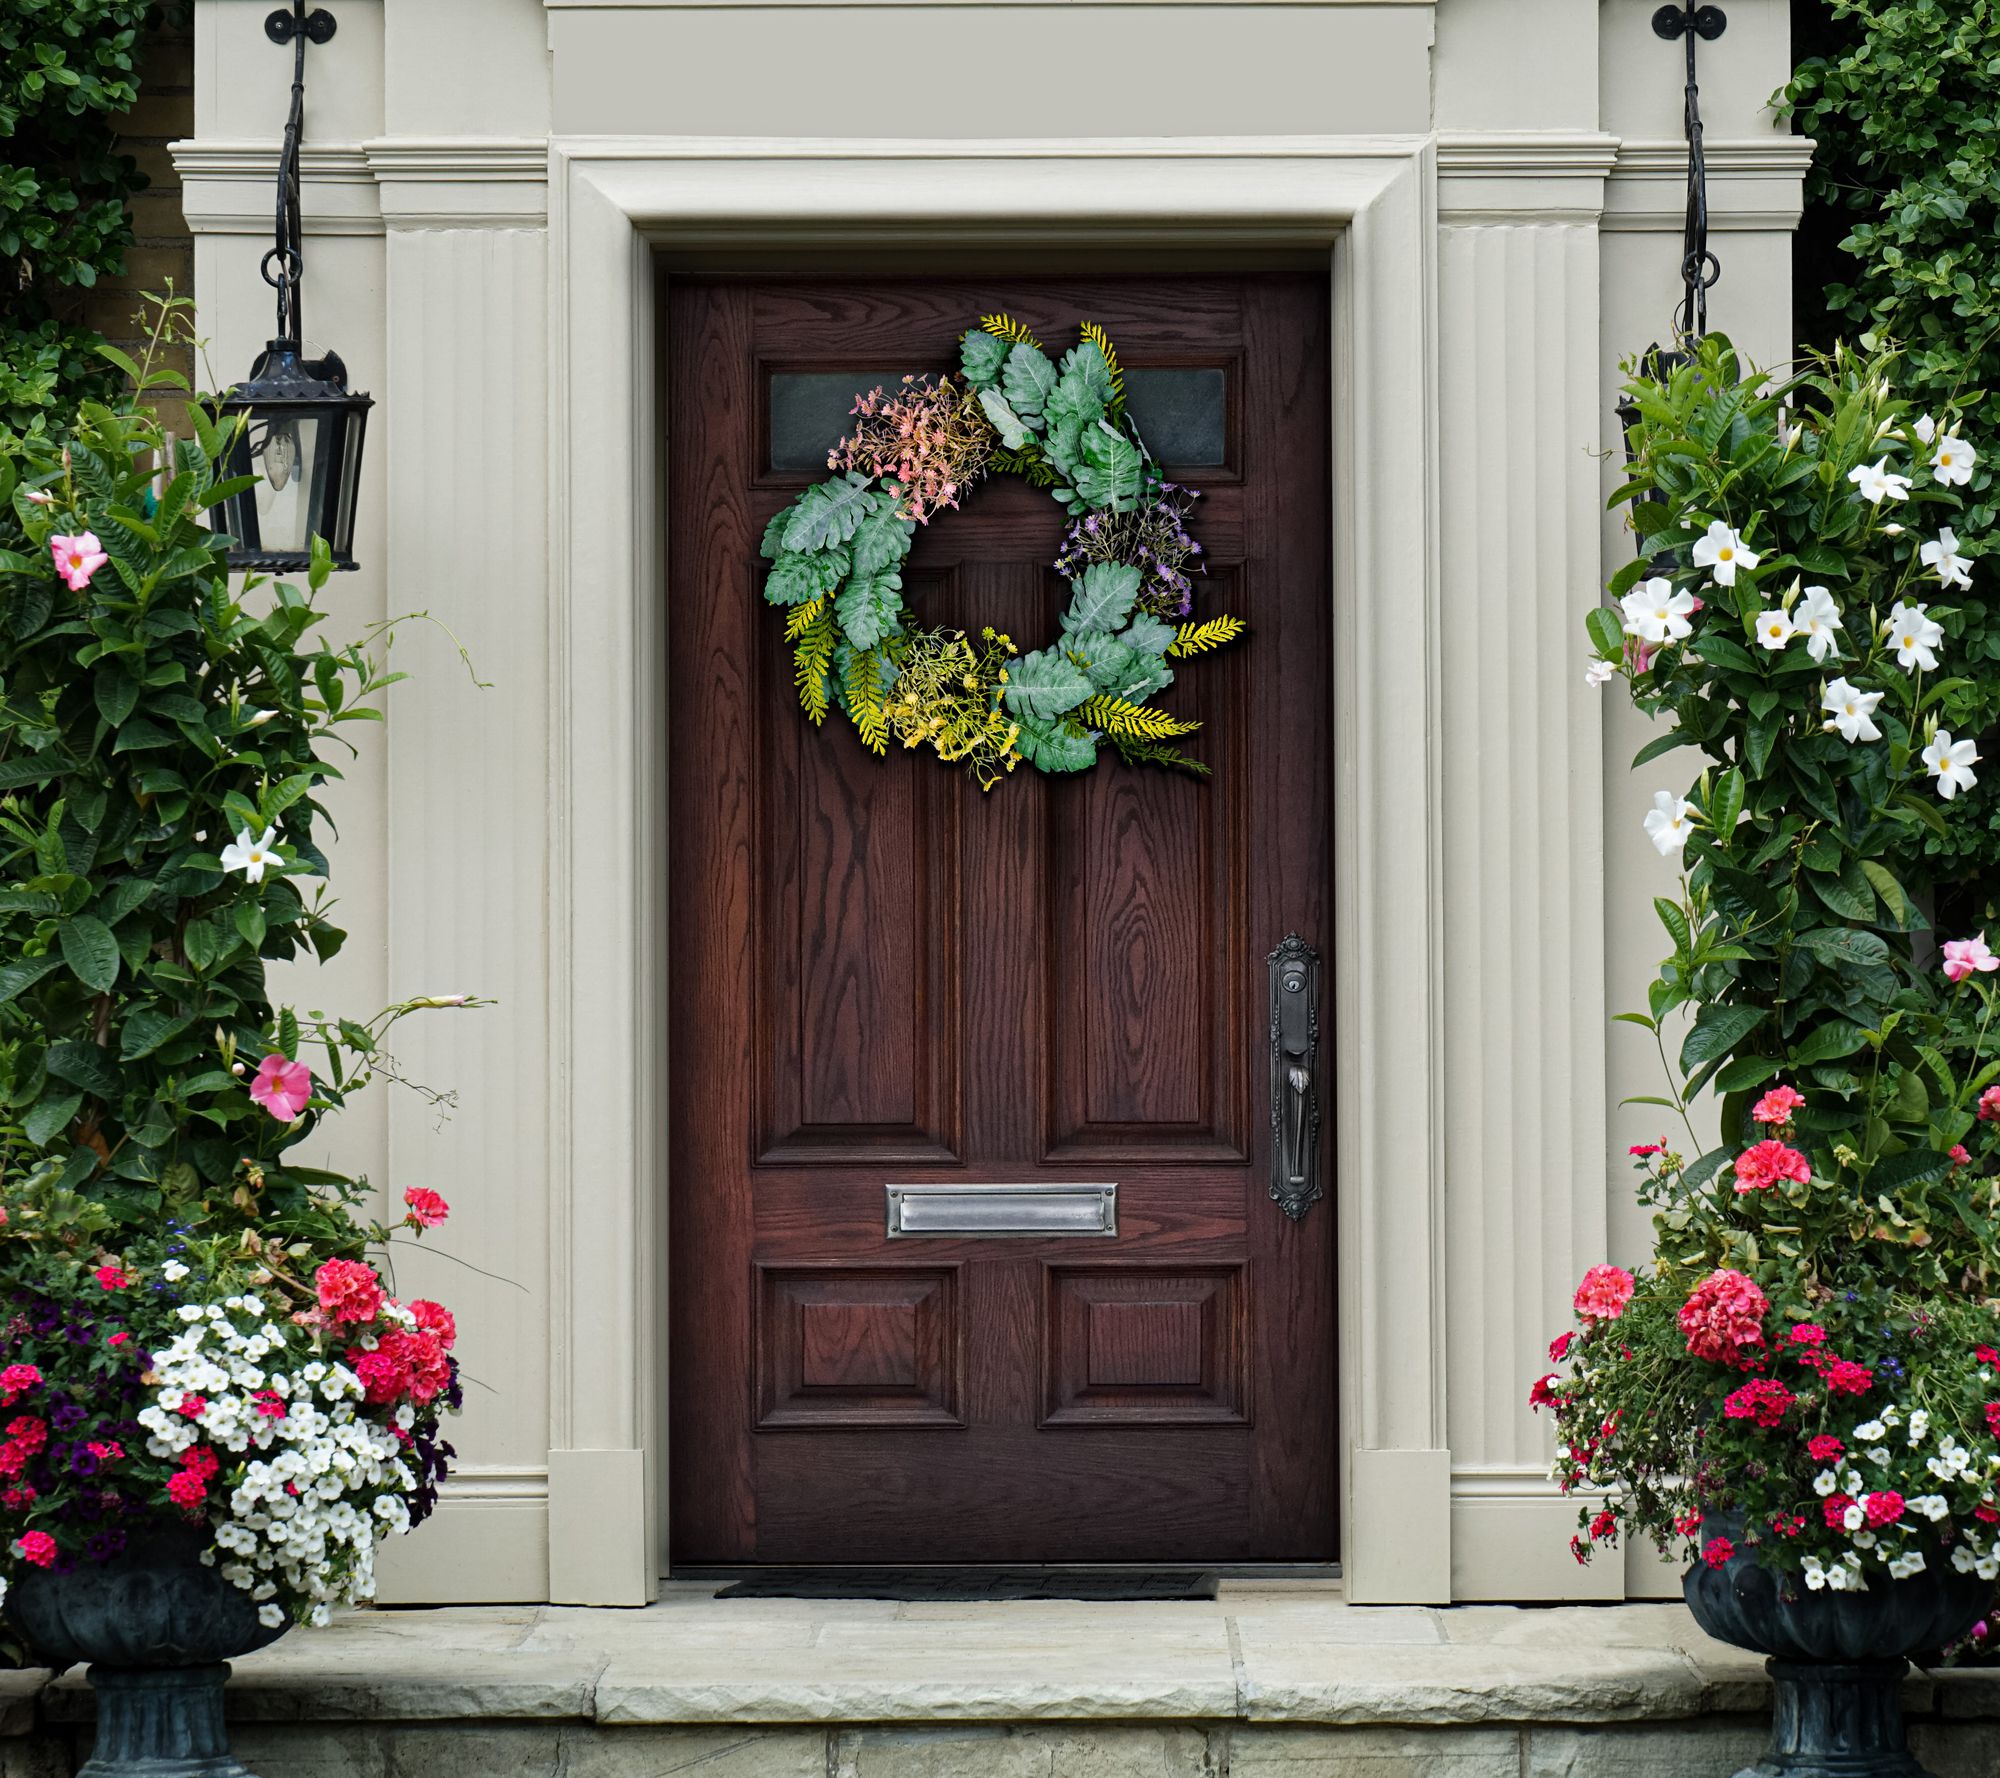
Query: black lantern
(299,427)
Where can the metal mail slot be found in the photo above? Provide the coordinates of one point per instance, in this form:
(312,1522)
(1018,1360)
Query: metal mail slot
(978,1212)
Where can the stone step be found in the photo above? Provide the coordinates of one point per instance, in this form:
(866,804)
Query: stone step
(1267,1681)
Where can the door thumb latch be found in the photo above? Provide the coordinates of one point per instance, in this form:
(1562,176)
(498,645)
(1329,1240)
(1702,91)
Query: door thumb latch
(1295,1185)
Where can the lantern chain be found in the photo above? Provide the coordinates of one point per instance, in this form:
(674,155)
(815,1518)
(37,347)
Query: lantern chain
(1699,267)
(283,266)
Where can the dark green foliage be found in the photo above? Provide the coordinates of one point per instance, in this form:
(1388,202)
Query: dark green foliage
(67,74)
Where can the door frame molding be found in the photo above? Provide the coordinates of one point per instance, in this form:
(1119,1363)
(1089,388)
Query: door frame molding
(1370,205)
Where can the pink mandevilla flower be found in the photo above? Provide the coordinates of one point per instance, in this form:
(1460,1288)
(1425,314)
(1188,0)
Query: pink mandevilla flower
(77,558)
(1603,1294)
(1967,956)
(282,1087)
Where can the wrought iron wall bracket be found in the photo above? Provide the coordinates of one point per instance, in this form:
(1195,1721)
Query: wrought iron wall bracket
(1295,1184)
(288,21)
(1706,22)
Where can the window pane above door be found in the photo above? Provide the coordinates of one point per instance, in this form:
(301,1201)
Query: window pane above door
(1181,413)
(813,410)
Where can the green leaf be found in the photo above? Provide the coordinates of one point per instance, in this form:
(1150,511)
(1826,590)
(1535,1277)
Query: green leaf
(870,608)
(1828,1042)
(202,944)
(1700,1172)
(1056,747)
(1013,433)
(1028,380)
(145,1029)
(1851,945)
(1743,1072)
(1848,895)
(1083,367)
(1111,473)
(1607,632)
(116,692)
(1914,1166)
(980,356)
(90,951)
(827,514)
(1045,685)
(1674,920)
(1892,893)
(51,1116)
(1658,747)
(1148,633)
(1718,1030)
(84,1065)
(1104,597)
(17,978)
(796,579)
(1725,804)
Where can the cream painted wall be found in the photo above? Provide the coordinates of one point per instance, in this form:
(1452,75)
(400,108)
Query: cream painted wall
(1555,219)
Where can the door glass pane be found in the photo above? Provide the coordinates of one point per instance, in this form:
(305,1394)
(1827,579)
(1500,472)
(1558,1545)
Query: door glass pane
(1180,413)
(811,411)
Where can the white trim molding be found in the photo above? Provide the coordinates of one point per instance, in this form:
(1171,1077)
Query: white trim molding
(1368,204)
(1753,184)
(363,188)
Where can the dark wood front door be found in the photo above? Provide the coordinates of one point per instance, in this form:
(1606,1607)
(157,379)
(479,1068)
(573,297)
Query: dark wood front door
(880,976)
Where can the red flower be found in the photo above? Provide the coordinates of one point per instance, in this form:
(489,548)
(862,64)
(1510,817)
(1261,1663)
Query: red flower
(437,1320)
(111,1277)
(1986,1355)
(17,1380)
(1884,1508)
(1541,1396)
(1646,1150)
(1960,1155)
(37,1547)
(1835,1511)
(1559,1347)
(1719,1550)
(1993,1418)
(193,1406)
(1985,1514)
(1763,1401)
(1989,1106)
(1825,1448)
(107,1452)
(1808,1333)
(1788,1524)
(187,1490)
(29,1433)
(348,1290)
(270,1404)
(427,1209)
(1580,1550)
(1843,1376)
(119,1338)
(1760,1168)
(1604,1525)
(200,1461)
(1724,1318)
(1603,1294)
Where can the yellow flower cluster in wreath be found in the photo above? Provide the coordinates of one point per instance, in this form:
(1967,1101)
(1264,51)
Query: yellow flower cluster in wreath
(948,695)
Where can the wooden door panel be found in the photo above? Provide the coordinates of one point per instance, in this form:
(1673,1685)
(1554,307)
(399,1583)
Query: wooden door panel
(881,976)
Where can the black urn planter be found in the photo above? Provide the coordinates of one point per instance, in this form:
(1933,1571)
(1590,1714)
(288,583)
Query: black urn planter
(1837,1660)
(158,1629)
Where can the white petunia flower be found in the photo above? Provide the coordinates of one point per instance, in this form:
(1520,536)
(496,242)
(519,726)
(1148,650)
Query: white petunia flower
(1774,629)
(1817,619)
(252,857)
(1871,1432)
(1667,824)
(1953,460)
(1920,1425)
(1721,550)
(1908,1563)
(1943,559)
(1850,713)
(1951,763)
(1878,482)
(173,1271)
(1655,613)
(1825,1483)
(1914,635)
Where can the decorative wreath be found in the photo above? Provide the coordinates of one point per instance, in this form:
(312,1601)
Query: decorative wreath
(837,555)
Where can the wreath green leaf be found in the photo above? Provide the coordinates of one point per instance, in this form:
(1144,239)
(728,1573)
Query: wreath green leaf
(837,554)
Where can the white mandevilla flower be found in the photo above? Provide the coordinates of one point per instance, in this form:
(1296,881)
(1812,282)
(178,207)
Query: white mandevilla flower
(1599,672)
(252,857)
(1914,635)
(1655,613)
(1817,619)
(1721,551)
(1774,629)
(1953,460)
(1941,557)
(1667,824)
(1877,482)
(1925,429)
(1850,712)
(1951,763)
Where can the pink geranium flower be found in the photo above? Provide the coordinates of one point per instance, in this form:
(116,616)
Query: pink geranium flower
(349,1290)
(282,1087)
(77,558)
(1966,956)
(1603,1294)
(427,1209)
(1777,1106)
(1989,1106)
(1760,1168)
(1724,1318)
(37,1547)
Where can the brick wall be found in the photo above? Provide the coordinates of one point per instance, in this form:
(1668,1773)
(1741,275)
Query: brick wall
(163,249)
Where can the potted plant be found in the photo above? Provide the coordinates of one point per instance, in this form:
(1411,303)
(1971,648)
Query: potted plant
(1800,1392)
(212,1407)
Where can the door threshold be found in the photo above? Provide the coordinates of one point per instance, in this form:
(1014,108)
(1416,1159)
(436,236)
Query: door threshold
(735,1571)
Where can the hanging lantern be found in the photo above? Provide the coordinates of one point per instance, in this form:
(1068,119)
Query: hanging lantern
(299,428)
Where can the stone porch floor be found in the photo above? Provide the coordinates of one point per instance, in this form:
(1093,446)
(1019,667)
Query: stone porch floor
(1271,1680)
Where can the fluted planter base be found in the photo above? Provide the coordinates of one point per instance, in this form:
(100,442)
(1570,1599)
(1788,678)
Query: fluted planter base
(1837,1719)
(161,1722)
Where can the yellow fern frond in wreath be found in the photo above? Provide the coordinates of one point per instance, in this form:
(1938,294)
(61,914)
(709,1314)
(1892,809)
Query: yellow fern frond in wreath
(1102,341)
(1005,327)
(1117,716)
(812,663)
(863,685)
(801,618)
(1200,638)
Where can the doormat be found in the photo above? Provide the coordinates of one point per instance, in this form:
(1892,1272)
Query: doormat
(967,1585)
